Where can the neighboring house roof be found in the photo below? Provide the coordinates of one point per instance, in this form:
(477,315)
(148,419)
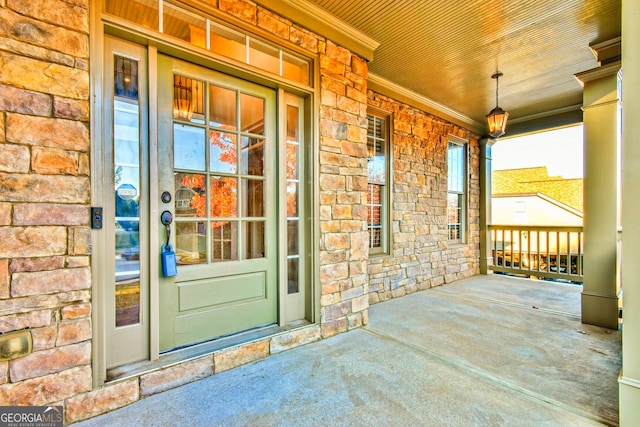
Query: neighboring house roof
(537,180)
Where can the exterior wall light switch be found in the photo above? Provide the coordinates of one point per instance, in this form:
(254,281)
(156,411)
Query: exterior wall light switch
(15,344)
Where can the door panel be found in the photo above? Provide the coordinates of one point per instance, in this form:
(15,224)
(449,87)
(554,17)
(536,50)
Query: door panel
(216,151)
(222,291)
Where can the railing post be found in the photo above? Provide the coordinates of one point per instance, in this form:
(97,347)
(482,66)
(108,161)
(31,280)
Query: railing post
(486,258)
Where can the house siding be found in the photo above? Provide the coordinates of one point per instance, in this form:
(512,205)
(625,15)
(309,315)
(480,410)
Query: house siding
(45,255)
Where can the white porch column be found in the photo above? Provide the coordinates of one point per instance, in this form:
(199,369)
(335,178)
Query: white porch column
(601,166)
(630,375)
(486,258)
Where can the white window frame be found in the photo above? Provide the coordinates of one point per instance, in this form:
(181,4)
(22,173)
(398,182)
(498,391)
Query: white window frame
(462,189)
(385,194)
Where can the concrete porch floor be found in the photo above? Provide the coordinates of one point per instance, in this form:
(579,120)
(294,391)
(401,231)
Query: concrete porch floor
(488,350)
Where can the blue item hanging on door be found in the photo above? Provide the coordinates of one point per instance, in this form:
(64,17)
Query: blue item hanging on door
(168,256)
(169,264)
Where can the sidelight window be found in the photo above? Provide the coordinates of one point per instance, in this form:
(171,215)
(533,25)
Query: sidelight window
(126,153)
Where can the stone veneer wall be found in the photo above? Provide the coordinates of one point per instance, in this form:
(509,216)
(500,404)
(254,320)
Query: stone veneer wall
(344,238)
(45,282)
(45,259)
(421,256)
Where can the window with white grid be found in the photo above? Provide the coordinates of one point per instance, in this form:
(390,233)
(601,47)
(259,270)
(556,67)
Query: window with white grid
(378,178)
(457,191)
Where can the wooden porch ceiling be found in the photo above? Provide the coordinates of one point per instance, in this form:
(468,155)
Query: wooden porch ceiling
(447,51)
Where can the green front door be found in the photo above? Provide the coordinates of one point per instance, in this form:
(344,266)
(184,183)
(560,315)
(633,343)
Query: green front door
(217,178)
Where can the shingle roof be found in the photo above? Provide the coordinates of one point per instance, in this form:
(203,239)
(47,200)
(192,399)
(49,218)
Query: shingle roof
(537,180)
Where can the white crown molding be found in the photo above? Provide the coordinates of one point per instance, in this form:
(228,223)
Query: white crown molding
(400,93)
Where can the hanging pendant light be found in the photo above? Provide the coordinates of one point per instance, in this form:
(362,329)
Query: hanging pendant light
(497,118)
(182,97)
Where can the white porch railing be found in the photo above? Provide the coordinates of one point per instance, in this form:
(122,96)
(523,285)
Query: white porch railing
(551,252)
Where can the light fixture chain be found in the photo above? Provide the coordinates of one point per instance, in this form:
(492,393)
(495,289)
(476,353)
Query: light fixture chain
(497,79)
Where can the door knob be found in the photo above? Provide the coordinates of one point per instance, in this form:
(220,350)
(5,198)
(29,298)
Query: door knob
(166,218)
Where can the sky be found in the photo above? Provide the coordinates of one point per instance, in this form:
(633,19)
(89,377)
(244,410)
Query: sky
(560,150)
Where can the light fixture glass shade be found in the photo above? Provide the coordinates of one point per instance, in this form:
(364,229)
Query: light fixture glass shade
(497,120)
(182,98)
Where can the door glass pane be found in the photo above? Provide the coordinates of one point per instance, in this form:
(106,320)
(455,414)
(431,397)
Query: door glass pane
(224,197)
(127,270)
(292,160)
(188,99)
(253,200)
(190,195)
(191,242)
(126,78)
(126,148)
(252,114)
(224,154)
(222,104)
(293,130)
(188,147)
(184,25)
(126,178)
(252,162)
(292,199)
(293,285)
(198,102)
(224,238)
(292,237)
(254,239)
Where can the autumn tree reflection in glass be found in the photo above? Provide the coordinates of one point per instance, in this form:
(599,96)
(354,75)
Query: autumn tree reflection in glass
(293,196)
(219,170)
